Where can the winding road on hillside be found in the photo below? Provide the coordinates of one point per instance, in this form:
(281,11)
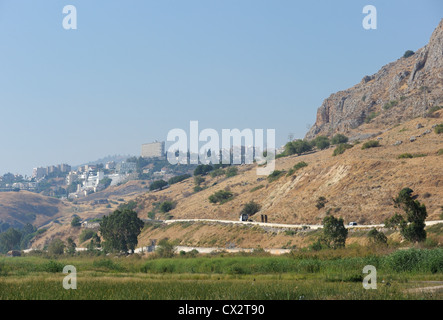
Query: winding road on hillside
(280,225)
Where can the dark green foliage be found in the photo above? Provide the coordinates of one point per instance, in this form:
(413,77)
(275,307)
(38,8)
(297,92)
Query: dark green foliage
(216,173)
(408,53)
(275,175)
(158,185)
(341,148)
(167,206)
(221,196)
(131,205)
(86,235)
(198,180)
(120,230)
(106,182)
(203,169)
(300,165)
(370,144)
(70,247)
(439,129)
(416,214)
(250,208)
(377,237)
(257,188)
(339,138)
(394,222)
(10,240)
(75,222)
(321,142)
(56,247)
(297,147)
(410,156)
(321,201)
(178,179)
(334,232)
(231,172)
(52,267)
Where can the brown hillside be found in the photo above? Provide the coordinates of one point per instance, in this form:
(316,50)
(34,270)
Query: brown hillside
(19,208)
(359,185)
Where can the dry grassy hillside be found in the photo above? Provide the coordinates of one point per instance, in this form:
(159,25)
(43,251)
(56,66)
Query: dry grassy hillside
(359,185)
(19,208)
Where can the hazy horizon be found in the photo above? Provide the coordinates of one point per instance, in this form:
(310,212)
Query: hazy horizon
(131,73)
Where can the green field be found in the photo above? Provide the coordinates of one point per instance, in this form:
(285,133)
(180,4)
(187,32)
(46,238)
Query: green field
(236,277)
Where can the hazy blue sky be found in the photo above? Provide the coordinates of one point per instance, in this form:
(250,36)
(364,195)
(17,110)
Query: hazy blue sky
(133,70)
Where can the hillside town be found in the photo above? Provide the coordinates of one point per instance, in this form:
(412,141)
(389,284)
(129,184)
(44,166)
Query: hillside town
(67,182)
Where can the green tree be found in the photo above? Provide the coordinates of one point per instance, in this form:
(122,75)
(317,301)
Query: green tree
(10,240)
(70,248)
(408,53)
(120,230)
(416,214)
(377,237)
(341,148)
(106,182)
(220,196)
(75,222)
(395,222)
(167,206)
(321,201)
(297,147)
(321,142)
(56,247)
(158,184)
(203,169)
(231,172)
(370,144)
(250,208)
(339,138)
(334,232)
(178,179)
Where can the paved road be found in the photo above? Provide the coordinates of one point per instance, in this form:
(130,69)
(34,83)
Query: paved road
(280,225)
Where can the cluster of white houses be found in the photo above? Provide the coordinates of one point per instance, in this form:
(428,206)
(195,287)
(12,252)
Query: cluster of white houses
(91,179)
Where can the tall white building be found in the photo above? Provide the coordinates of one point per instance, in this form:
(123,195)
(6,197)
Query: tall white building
(153,150)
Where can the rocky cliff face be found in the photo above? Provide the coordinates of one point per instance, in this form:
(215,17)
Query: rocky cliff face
(398,92)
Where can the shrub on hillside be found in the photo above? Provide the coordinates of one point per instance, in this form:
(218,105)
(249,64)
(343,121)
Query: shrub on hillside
(221,196)
(231,172)
(275,175)
(251,208)
(300,165)
(370,144)
(321,142)
(86,235)
(439,129)
(297,147)
(339,138)
(203,169)
(166,206)
(179,178)
(408,53)
(341,148)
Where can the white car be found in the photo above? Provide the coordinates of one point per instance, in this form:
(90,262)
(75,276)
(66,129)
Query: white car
(352,223)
